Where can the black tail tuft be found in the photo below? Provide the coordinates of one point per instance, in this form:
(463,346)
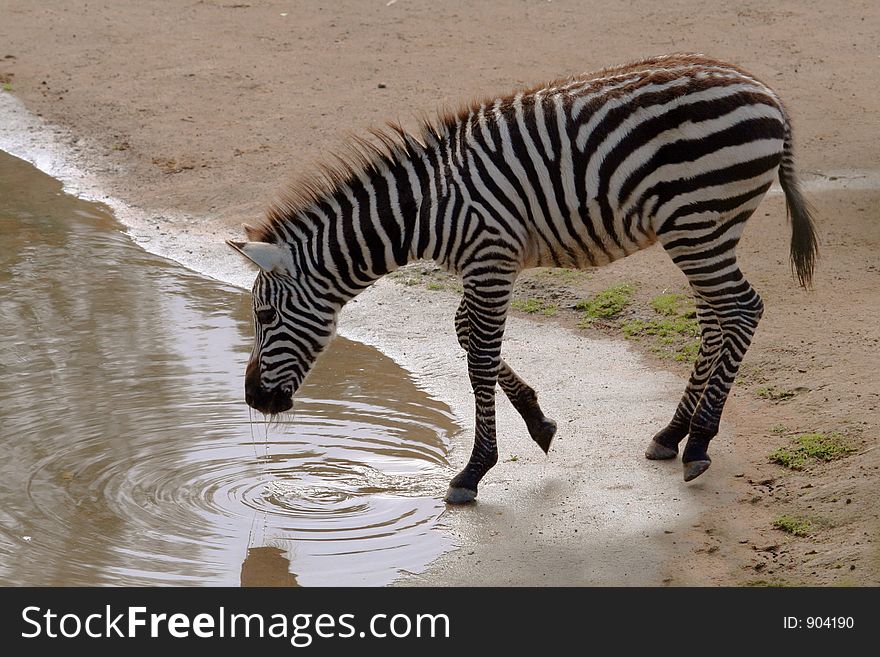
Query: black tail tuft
(804,244)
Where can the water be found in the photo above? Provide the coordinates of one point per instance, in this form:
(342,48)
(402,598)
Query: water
(129,455)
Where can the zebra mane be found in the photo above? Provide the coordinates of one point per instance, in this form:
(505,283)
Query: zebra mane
(390,145)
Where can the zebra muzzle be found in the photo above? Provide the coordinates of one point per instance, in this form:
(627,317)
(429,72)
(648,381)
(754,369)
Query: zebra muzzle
(270,401)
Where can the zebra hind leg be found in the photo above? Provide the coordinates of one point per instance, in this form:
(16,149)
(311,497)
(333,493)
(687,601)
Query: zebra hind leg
(738,308)
(664,445)
(541,428)
(708,259)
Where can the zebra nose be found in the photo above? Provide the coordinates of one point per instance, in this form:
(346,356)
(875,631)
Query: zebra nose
(250,397)
(265,400)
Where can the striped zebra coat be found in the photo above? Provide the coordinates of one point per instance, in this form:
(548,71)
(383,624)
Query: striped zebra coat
(578,173)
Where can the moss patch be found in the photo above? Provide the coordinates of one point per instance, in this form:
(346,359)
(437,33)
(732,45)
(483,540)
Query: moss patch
(670,304)
(794,525)
(605,305)
(532,306)
(774,394)
(675,332)
(808,447)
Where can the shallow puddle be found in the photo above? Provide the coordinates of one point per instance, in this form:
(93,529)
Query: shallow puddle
(129,456)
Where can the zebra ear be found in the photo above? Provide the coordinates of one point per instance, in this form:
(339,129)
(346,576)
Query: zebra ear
(253,234)
(264,255)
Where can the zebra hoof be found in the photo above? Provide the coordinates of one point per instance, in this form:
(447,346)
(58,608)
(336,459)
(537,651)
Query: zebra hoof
(658,452)
(693,469)
(458,495)
(543,435)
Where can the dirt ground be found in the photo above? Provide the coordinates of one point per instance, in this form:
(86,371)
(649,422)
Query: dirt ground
(206,107)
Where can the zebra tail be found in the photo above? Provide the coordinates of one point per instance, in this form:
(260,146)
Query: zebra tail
(804,243)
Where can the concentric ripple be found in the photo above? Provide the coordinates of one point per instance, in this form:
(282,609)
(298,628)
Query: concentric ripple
(130,457)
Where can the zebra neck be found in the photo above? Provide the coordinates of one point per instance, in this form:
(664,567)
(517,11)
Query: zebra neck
(376,220)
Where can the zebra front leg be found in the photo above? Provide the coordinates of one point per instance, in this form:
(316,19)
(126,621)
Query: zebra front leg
(525,400)
(487,300)
(523,397)
(664,445)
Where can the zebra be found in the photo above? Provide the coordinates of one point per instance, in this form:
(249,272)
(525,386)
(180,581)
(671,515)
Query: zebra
(678,149)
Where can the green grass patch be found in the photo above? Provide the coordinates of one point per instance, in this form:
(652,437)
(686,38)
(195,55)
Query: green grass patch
(687,352)
(794,525)
(774,394)
(7,86)
(808,447)
(676,332)
(527,305)
(672,305)
(409,281)
(606,304)
(532,306)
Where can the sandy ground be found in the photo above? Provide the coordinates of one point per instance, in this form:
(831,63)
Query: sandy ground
(197,112)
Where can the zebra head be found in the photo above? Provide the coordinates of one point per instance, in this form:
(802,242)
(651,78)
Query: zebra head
(291,323)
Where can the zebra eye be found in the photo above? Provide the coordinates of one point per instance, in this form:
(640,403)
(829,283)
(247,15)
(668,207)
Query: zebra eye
(266,316)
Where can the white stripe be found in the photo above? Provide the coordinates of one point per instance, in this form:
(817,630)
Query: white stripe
(540,121)
(486,195)
(484,128)
(415,187)
(497,177)
(356,223)
(566,171)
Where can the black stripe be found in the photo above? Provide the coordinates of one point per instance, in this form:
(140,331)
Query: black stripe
(683,151)
(718,205)
(697,240)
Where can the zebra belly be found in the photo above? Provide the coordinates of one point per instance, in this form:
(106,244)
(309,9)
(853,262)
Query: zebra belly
(585,241)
